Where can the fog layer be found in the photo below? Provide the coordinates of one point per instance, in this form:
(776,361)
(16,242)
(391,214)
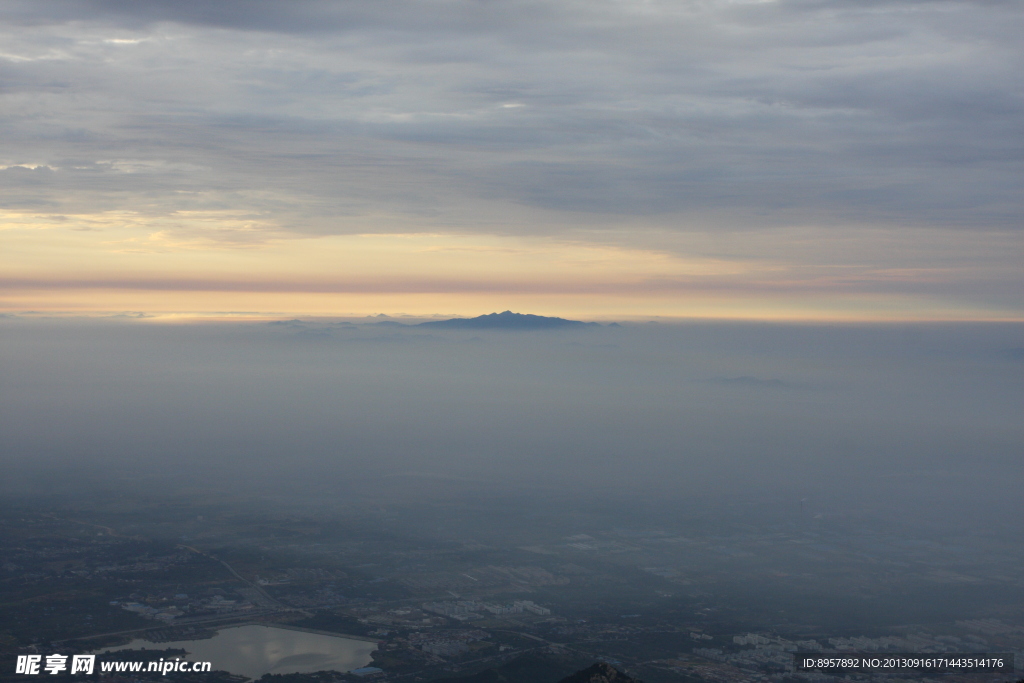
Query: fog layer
(917,421)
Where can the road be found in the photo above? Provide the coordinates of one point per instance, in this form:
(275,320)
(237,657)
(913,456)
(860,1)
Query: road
(254,593)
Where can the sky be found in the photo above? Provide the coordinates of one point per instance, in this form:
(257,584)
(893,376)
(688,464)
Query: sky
(808,160)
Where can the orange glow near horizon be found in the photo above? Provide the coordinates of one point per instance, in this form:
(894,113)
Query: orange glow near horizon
(210,263)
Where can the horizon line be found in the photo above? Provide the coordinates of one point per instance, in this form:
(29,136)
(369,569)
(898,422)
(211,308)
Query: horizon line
(633,318)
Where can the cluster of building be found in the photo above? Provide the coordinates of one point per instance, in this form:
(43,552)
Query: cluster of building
(300,575)
(517,607)
(445,649)
(446,644)
(317,599)
(747,659)
(909,643)
(779,644)
(993,627)
(465,610)
(86,569)
(181,604)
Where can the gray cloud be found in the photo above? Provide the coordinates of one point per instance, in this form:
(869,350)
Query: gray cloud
(727,113)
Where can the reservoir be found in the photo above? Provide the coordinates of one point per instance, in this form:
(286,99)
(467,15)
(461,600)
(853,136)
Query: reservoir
(255,650)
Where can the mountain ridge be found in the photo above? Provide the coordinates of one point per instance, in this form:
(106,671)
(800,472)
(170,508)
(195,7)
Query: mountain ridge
(507,320)
(599,673)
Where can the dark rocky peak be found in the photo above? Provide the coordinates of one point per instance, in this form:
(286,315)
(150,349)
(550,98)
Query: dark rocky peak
(599,673)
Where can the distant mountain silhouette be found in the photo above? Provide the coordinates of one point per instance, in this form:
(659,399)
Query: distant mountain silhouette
(507,321)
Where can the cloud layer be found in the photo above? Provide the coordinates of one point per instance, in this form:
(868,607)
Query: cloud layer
(632,121)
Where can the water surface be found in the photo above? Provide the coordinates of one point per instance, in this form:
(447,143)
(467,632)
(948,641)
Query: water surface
(256,650)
